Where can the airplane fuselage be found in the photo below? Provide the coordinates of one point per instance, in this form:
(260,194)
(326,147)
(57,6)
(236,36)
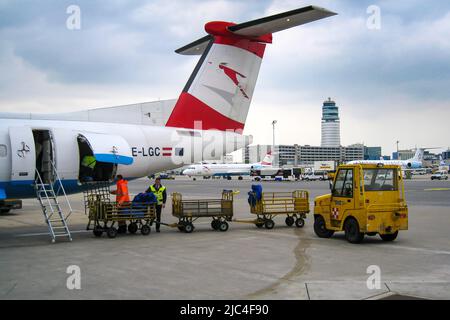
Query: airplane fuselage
(140,150)
(219,170)
(404,164)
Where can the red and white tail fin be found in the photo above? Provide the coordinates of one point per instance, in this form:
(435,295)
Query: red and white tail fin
(268,159)
(219,91)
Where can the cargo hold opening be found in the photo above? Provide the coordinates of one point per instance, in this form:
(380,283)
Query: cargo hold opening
(90,169)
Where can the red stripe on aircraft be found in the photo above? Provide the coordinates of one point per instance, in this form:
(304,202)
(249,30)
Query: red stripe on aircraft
(222,35)
(189,110)
(256,48)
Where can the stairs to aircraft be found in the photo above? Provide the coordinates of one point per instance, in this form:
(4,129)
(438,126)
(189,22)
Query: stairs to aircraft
(51,207)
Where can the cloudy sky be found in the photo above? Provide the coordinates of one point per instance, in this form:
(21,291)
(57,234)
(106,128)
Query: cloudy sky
(391,83)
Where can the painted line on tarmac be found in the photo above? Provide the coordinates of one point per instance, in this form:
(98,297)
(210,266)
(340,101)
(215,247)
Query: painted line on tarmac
(45,233)
(422,250)
(438,189)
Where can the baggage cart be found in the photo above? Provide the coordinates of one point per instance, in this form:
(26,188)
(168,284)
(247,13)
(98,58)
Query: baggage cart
(295,205)
(104,215)
(189,210)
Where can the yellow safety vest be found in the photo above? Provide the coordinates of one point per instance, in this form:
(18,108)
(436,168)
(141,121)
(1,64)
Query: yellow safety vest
(89,161)
(158,193)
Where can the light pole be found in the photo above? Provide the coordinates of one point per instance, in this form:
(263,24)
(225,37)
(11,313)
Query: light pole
(274,122)
(398,156)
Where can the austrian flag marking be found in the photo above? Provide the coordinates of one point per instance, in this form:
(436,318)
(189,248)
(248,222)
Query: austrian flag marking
(167,152)
(335,213)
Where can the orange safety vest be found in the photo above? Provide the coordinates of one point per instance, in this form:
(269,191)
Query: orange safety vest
(122,192)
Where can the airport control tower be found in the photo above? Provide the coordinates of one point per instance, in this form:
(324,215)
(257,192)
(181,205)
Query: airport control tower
(331,132)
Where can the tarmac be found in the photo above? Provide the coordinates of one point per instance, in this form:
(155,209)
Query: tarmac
(242,263)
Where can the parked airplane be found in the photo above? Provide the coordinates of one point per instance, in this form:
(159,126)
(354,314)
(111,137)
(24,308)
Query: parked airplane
(205,122)
(441,161)
(413,163)
(227,170)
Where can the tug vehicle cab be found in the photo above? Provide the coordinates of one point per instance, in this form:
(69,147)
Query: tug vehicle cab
(365,199)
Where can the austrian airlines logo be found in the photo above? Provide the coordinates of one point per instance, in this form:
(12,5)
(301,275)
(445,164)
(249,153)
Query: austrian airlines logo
(25,149)
(232,74)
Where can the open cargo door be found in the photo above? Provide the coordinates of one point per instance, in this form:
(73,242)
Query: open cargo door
(108,148)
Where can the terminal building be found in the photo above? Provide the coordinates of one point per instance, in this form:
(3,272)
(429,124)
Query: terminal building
(403,154)
(372,153)
(296,155)
(330,149)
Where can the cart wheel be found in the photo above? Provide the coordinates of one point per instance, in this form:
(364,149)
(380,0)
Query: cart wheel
(111,232)
(188,227)
(290,221)
(145,230)
(181,225)
(389,237)
(259,223)
(214,224)
(269,224)
(223,226)
(300,223)
(122,228)
(133,228)
(98,231)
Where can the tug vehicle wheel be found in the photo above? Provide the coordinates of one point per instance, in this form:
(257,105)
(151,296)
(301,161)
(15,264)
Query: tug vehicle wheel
(352,231)
(320,228)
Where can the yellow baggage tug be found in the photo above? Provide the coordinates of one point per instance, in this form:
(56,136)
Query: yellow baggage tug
(365,199)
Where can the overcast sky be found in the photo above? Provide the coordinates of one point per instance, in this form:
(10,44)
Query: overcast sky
(391,83)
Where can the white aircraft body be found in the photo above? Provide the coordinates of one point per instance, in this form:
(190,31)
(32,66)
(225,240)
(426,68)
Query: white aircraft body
(227,170)
(413,163)
(206,121)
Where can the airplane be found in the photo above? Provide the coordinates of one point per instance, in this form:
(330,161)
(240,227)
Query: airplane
(441,161)
(413,163)
(205,122)
(227,170)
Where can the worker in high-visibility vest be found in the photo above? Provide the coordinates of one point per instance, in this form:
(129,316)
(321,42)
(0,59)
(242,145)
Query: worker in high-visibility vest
(122,198)
(87,166)
(161,197)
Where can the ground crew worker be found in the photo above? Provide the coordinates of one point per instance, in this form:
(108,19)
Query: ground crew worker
(161,197)
(88,165)
(122,197)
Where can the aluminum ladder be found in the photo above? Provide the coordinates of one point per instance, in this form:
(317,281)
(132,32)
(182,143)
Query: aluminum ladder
(51,208)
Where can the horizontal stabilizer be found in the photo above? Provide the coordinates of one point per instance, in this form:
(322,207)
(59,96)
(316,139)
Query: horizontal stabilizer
(281,21)
(196,47)
(264,26)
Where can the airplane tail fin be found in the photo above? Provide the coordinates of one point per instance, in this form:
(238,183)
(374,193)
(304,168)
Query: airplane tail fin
(219,91)
(419,155)
(268,159)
